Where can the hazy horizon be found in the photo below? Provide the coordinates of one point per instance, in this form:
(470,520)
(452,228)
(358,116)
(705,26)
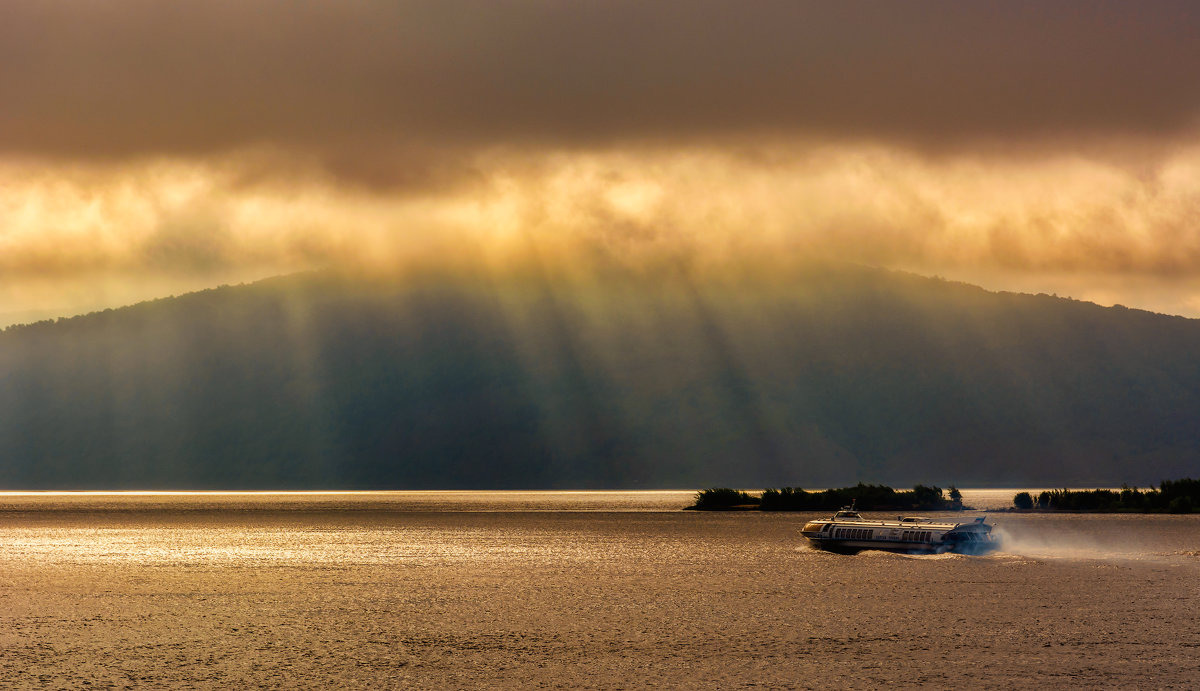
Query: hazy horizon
(30,317)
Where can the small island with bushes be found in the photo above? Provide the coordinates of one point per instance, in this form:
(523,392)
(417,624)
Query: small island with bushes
(864,497)
(1172,496)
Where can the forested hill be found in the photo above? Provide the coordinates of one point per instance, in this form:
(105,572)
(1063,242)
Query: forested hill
(808,377)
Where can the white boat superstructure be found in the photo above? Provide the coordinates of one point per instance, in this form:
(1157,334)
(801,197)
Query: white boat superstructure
(848,532)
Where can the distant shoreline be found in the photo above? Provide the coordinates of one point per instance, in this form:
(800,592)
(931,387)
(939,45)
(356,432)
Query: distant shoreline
(1172,496)
(864,497)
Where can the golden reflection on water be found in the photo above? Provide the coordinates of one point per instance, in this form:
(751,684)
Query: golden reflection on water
(332,590)
(431,500)
(327,529)
(445,528)
(421,546)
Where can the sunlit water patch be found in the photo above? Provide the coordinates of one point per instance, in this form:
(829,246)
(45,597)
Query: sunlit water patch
(329,591)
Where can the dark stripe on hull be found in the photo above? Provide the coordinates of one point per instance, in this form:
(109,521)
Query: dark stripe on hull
(853,546)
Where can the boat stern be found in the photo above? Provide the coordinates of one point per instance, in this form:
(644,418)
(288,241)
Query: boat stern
(971,538)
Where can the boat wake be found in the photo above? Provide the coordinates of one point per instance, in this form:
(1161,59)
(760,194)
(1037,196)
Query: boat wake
(1068,546)
(1054,546)
(945,556)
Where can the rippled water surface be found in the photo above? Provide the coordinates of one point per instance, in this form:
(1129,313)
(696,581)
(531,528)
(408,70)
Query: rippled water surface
(593,589)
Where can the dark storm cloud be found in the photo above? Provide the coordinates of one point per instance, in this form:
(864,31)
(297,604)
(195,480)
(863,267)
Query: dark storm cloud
(342,79)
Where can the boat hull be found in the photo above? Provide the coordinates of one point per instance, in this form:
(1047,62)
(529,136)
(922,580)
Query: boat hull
(854,547)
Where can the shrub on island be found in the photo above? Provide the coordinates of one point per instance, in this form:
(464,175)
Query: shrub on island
(864,497)
(1172,496)
(718,498)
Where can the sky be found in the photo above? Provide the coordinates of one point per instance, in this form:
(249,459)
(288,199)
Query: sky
(151,148)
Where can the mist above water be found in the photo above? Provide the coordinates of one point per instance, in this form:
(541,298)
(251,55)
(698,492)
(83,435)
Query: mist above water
(1105,537)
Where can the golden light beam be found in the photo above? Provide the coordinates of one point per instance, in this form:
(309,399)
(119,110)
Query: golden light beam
(80,237)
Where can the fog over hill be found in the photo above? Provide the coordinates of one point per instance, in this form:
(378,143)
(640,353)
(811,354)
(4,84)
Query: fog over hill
(531,378)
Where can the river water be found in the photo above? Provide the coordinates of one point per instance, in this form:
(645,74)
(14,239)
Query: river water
(571,589)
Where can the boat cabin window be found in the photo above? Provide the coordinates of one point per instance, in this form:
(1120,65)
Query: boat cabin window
(854,534)
(847,514)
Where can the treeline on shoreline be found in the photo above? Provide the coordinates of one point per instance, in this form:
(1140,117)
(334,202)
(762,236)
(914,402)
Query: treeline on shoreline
(1172,496)
(863,497)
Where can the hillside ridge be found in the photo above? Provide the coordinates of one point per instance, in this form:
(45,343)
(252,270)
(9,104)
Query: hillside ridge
(533,377)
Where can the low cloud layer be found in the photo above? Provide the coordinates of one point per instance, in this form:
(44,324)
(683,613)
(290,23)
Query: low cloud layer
(1008,221)
(134,77)
(150,147)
